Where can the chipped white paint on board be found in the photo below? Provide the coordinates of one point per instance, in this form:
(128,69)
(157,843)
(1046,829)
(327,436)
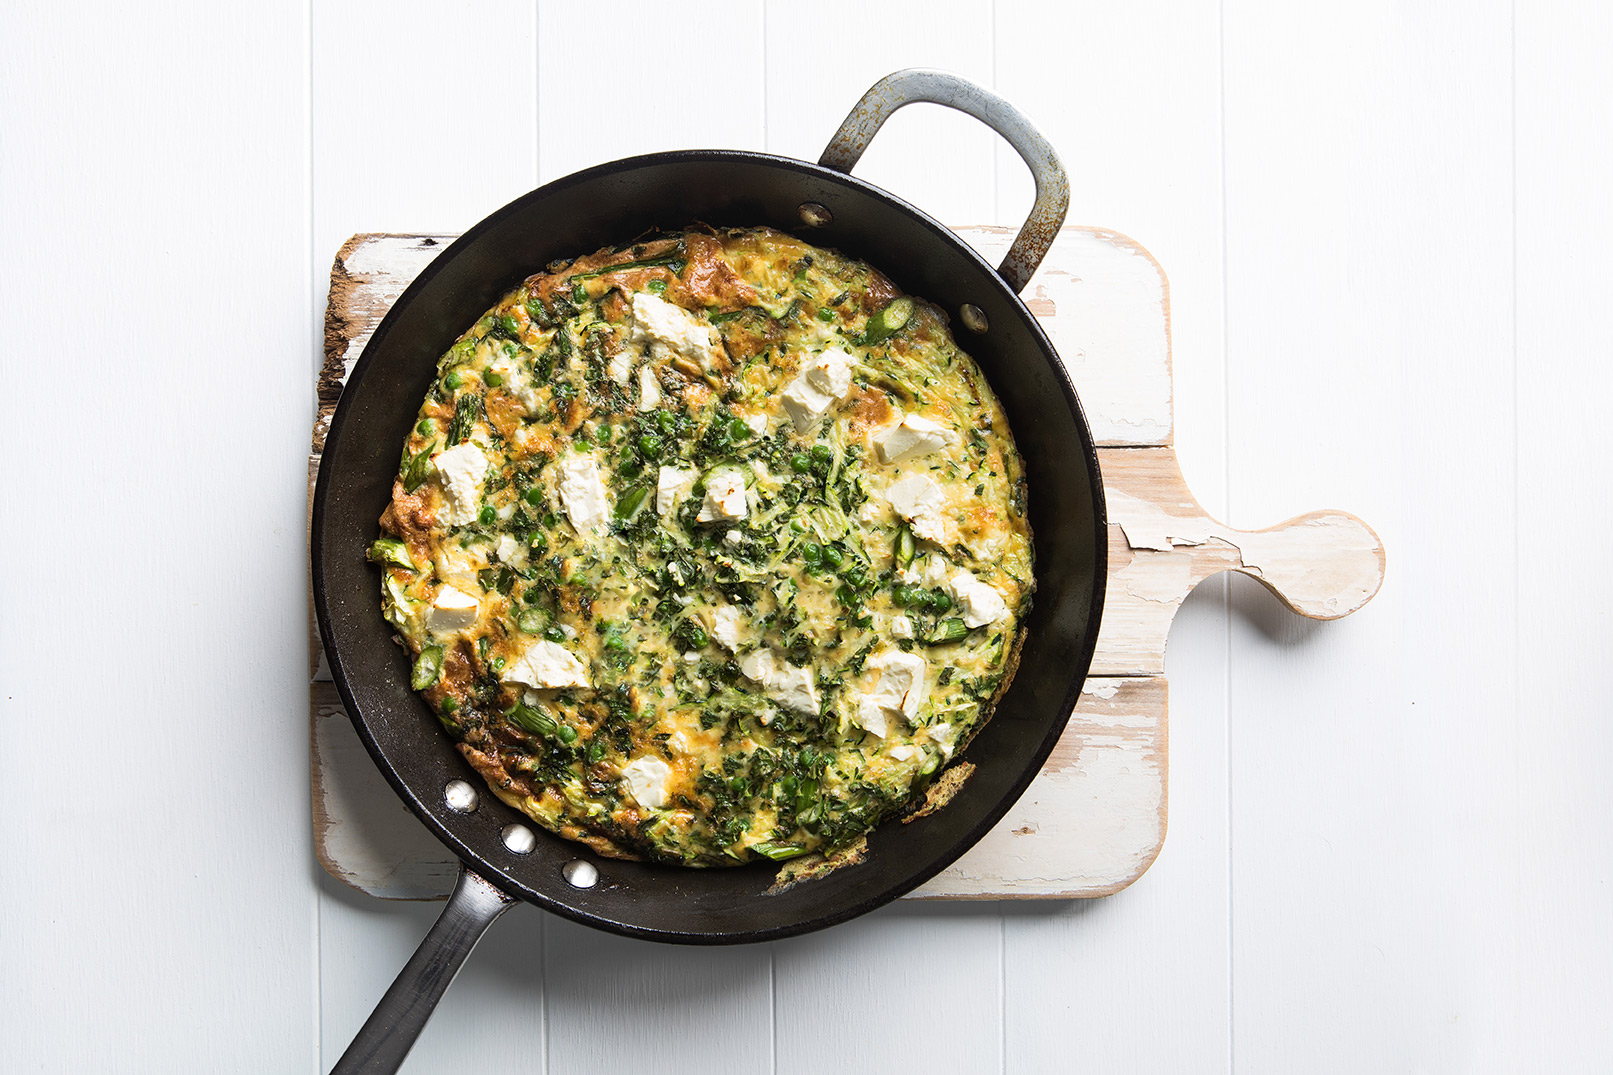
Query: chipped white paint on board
(1094,819)
(1105,304)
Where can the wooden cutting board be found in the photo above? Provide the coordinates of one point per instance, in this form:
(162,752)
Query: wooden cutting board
(1094,818)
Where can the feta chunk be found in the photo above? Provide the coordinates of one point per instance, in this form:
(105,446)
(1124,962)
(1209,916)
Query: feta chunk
(945,736)
(979,602)
(461,470)
(646,779)
(919,500)
(621,367)
(726,624)
(583,493)
(825,379)
(672,484)
(901,686)
(904,752)
(649,389)
(788,685)
(517,383)
(667,329)
(756,423)
(871,715)
(545,664)
(460,566)
(725,497)
(510,551)
(913,436)
(452,610)
(901,626)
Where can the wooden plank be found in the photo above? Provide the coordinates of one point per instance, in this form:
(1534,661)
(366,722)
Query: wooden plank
(1564,234)
(1374,821)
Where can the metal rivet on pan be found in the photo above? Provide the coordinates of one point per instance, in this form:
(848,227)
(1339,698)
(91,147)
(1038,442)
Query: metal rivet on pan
(460,796)
(814,215)
(580,874)
(973,318)
(519,838)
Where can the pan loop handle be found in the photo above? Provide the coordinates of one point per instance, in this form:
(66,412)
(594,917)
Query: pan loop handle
(937,87)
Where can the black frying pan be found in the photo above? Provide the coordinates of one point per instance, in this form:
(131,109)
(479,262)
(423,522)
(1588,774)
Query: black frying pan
(505,857)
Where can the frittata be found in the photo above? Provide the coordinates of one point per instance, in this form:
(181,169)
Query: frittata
(709,547)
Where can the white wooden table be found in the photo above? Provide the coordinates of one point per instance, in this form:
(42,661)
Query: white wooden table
(1387,230)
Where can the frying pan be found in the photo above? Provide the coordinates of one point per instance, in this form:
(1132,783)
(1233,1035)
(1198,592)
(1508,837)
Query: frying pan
(504,857)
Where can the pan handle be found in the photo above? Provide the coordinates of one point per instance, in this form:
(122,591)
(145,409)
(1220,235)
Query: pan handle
(390,1032)
(937,87)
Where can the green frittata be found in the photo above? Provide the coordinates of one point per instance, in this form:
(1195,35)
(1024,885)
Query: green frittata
(708,548)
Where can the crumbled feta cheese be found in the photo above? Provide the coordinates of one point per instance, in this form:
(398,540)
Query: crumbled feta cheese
(546,664)
(583,492)
(901,626)
(510,551)
(871,715)
(944,736)
(646,779)
(459,566)
(726,623)
(830,372)
(672,484)
(649,389)
(756,423)
(979,602)
(462,469)
(901,685)
(621,367)
(914,435)
(452,610)
(786,684)
(919,500)
(669,329)
(824,379)
(904,751)
(805,403)
(725,497)
(516,382)
(733,537)
(691,657)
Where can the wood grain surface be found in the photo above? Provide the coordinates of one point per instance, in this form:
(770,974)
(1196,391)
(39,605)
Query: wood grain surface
(1387,232)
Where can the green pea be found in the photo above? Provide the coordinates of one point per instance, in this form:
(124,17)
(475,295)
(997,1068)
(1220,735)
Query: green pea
(812,553)
(939,601)
(453,380)
(448,704)
(833,556)
(487,516)
(798,525)
(567,734)
(821,453)
(491,379)
(426,427)
(738,430)
(800,463)
(507,323)
(826,315)
(596,751)
(667,421)
(697,638)
(534,496)
(650,445)
(605,434)
(554,634)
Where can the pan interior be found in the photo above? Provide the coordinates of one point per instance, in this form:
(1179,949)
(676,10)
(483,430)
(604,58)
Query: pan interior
(616,203)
